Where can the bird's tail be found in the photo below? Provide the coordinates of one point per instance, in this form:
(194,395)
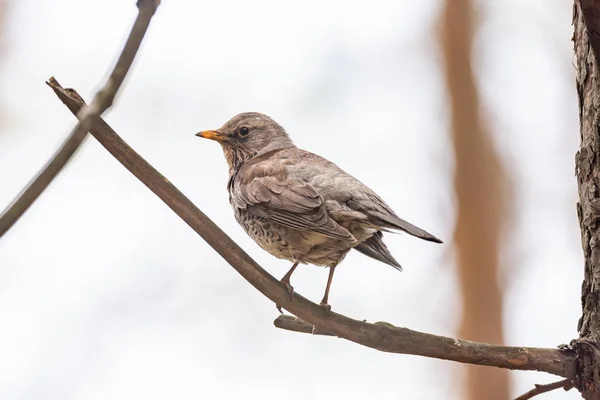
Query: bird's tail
(375,248)
(415,230)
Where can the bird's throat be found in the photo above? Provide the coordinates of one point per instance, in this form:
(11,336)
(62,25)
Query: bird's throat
(235,157)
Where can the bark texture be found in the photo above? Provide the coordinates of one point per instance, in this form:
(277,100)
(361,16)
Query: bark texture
(480,191)
(586,19)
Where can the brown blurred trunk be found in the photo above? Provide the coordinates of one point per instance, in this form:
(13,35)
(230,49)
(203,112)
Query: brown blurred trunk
(478,185)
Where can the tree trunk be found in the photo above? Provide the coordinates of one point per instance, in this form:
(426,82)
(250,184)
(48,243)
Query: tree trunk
(480,191)
(586,19)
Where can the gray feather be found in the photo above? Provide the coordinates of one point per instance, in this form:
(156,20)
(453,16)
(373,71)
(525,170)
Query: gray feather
(375,248)
(393,221)
(266,190)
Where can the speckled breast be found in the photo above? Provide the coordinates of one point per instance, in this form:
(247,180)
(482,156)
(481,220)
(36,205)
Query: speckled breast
(266,234)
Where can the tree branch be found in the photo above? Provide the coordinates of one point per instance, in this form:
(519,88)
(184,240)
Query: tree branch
(87,115)
(466,351)
(295,324)
(382,336)
(540,389)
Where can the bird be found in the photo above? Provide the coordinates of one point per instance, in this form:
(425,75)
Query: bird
(299,206)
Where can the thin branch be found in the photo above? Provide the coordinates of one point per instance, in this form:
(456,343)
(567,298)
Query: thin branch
(540,389)
(295,324)
(87,115)
(466,351)
(37,185)
(382,336)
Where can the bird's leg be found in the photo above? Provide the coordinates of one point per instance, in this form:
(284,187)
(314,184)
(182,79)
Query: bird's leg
(286,281)
(324,303)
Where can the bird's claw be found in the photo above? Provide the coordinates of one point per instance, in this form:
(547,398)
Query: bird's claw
(327,309)
(290,290)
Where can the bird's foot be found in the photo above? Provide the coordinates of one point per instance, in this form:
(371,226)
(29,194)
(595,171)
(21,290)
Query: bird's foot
(290,290)
(327,309)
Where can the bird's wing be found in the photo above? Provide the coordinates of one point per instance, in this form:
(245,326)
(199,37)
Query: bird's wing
(269,192)
(336,184)
(383,216)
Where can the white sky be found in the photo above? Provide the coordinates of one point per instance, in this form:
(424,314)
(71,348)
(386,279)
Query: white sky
(105,293)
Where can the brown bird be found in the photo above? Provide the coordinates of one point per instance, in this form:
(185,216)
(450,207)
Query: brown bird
(299,206)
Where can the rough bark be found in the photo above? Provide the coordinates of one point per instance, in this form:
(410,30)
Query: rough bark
(480,191)
(586,19)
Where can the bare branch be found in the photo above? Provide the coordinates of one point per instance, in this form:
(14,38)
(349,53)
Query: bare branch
(87,115)
(425,344)
(540,389)
(295,324)
(380,336)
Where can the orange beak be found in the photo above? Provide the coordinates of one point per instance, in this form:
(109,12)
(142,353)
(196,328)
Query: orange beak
(213,135)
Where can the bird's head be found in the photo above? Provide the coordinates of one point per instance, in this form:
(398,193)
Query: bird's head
(247,135)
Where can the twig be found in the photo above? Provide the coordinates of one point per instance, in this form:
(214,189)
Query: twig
(291,323)
(382,336)
(87,115)
(466,351)
(539,389)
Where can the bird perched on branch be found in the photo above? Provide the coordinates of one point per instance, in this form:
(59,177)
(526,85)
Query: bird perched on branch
(299,206)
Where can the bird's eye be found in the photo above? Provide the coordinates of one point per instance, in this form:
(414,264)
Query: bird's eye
(244,131)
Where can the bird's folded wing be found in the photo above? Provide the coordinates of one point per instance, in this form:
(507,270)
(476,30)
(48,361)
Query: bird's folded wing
(379,213)
(289,202)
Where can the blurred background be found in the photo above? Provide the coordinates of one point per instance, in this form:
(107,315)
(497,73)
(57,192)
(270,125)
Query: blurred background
(462,115)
